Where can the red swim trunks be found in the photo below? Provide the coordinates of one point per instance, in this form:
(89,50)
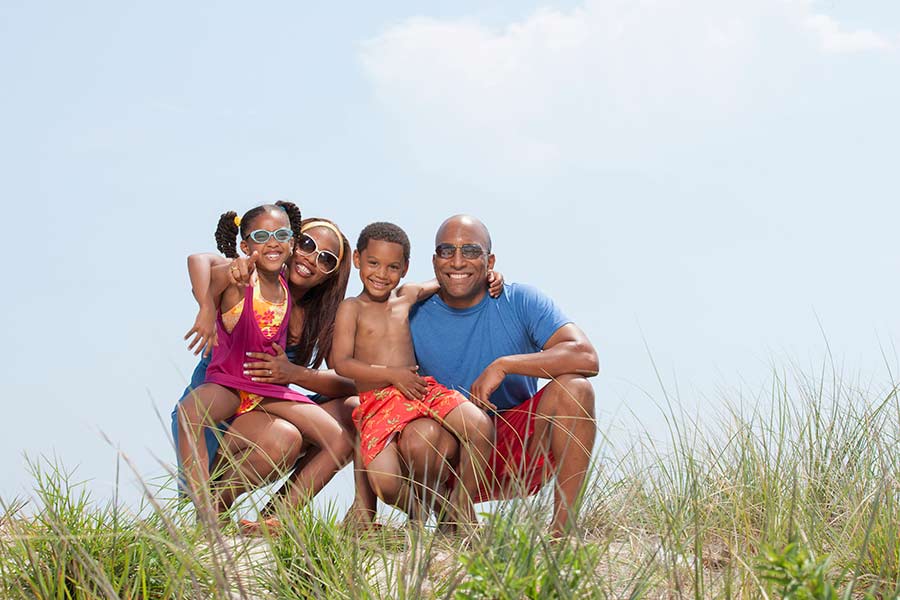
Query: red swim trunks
(516,472)
(385,412)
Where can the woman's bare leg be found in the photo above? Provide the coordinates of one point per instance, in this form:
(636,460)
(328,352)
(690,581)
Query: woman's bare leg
(321,429)
(256,448)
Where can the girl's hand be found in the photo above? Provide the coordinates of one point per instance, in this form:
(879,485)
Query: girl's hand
(495,283)
(268,368)
(407,380)
(204,332)
(241,269)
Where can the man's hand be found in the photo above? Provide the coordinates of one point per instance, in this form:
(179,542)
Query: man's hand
(407,380)
(486,384)
(268,368)
(204,332)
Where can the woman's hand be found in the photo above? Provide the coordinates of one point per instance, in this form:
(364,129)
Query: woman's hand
(407,380)
(268,368)
(204,331)
(241,268)
(495,283)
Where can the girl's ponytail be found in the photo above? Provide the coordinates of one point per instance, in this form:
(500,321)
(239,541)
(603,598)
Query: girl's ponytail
(293,213)
(226,234)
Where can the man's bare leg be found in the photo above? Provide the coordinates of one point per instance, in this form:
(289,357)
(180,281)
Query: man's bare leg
(565,424)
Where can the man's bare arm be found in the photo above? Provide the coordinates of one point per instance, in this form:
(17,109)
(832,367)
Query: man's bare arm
(568,351)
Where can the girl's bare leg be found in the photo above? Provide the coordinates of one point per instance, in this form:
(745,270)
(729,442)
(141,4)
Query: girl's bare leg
(476,433)
(317,427)
(205,407)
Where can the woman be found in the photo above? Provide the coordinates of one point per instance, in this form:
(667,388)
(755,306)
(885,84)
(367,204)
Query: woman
(257,446)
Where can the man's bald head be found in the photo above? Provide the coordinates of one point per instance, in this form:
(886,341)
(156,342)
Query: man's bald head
(468,223)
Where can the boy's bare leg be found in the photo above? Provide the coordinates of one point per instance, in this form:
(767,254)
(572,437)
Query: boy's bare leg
(319,428)
(205,407)
(431,453)
(390,481)
(565,424)
(476,432)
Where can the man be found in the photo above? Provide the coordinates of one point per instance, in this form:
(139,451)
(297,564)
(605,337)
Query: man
(494,350)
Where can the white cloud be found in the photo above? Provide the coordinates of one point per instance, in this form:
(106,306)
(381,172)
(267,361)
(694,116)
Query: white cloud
(608,78)
(834,38)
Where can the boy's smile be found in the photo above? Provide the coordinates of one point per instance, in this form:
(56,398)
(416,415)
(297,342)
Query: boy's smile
(381,267)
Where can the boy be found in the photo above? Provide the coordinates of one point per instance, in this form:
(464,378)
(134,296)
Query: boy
(373,346)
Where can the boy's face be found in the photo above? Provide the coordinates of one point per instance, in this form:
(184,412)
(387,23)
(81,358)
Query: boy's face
(381,266)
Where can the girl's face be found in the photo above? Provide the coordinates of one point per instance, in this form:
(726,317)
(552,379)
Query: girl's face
(305,269)
(272,253)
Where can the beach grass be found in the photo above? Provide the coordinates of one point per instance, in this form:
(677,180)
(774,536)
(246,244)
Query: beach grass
(793,495)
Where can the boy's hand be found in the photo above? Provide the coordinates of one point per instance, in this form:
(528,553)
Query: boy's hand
(268,368)
(495,283)
(241,269)
(204,332)
(407,380)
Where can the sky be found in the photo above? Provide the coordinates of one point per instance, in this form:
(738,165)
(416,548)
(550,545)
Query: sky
(708,188)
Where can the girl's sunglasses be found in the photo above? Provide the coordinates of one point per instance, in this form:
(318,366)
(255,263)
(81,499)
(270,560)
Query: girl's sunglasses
(326,260)
(261,236)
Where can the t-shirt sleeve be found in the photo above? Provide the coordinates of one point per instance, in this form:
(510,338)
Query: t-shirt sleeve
(539,313)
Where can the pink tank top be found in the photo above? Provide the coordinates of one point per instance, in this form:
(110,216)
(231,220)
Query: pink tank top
(227,366)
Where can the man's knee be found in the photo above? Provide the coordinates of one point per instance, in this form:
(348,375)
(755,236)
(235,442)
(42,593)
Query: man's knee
(569,396)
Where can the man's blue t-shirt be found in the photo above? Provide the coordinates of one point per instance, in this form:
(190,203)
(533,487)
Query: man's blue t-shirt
(455,345)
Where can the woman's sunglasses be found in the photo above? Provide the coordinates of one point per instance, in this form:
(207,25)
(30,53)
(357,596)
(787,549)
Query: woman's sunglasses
(326,260)
(469,251)
(261,236)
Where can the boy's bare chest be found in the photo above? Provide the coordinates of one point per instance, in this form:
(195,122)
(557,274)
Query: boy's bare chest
(391,321)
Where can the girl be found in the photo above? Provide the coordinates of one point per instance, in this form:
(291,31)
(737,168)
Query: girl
(253,318)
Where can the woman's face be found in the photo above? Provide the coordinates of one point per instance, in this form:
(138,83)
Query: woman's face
(305,270)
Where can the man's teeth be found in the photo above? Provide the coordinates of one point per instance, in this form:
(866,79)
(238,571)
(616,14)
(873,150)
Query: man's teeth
(458,275)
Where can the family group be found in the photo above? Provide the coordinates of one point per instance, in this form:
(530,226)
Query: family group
(431,389)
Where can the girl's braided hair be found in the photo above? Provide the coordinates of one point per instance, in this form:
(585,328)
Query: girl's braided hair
(227,230)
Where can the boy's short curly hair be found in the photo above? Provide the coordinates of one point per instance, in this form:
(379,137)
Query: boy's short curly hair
(383,232)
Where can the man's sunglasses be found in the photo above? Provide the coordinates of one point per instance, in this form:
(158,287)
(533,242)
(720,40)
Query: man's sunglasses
(326,260)
(261,236)
(469,251)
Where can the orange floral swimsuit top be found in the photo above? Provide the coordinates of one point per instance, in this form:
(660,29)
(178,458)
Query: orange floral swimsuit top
(269,316)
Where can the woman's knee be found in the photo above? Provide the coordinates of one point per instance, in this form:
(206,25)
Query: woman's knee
(282,443)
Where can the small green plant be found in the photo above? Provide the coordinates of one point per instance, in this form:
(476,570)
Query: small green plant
(797,575)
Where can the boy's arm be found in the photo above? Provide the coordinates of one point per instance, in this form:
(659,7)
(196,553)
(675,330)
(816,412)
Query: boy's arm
(404,379)
(416,292)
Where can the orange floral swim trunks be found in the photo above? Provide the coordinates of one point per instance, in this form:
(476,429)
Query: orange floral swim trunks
(385,412)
